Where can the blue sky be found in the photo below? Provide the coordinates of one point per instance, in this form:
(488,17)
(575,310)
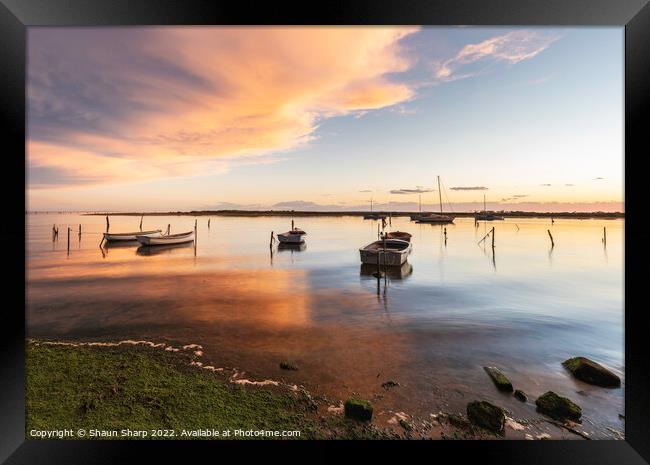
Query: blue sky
(532,116)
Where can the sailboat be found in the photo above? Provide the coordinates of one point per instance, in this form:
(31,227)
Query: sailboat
(435,218)
(372,216)
(486,216)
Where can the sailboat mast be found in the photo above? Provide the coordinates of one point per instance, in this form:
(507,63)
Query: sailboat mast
(420,201)
(371,205)
(484,209)
(439,195)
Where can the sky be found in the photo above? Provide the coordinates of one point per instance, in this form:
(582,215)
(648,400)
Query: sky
(324,118)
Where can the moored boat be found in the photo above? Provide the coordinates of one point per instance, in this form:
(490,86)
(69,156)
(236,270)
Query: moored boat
(399,235)
(295,236)
(389,252)
(434,218)
(486,215)
(167,239)
(130,236)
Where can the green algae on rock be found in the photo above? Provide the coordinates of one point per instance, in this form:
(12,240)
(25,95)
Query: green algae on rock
(558,407)
(358,409)
(591,372)
(486,415)
(500,380)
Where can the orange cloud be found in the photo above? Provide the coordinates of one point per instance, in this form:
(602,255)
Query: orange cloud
(119,105)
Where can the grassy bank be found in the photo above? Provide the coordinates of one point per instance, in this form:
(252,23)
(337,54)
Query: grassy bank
(140,388)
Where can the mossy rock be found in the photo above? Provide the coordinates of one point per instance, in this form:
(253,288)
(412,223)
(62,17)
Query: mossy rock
(486,415)
(558,407)
(358,409)
(591,372)
(500,380)
(520,395)
(288,366)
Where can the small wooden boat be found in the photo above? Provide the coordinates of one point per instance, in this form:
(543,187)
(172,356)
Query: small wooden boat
(167,239)
(389,252)
(399,235)
(435,219)
(130,236)
(295,236)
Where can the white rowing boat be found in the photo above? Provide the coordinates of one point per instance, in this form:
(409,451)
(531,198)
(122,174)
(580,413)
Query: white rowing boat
(388,252)
(130,236)
(167,239)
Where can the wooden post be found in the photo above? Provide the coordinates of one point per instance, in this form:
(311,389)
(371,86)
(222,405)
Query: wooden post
(68,240)
(292,227)
(390,219)
(493,237)
(378,235)
(271,241)
(551,236)
(79,231)
(141,218)
(108,223)
(208,223)
(53,232)
(604,235)
(168,228)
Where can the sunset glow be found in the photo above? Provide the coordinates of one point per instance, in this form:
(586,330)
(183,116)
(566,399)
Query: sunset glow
(174,118)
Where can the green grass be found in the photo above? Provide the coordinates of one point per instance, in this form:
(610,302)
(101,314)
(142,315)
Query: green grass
(141,388)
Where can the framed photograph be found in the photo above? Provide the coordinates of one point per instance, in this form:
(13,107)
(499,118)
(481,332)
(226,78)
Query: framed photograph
(356,228)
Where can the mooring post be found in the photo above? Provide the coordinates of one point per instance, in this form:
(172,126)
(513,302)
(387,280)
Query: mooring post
(68,240)
(378,235)
(604,235)
(208,223)
(292,226)
(108,223)
(53,232)
(141,218)
(492,236)
(551,236)
(168,228)
(271,241)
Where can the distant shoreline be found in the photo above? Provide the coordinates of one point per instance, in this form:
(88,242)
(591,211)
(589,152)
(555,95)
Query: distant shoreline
(254,213)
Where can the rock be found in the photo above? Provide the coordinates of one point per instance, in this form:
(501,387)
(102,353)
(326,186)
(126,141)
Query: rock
(288,366)
(558,407)
(499,379)
(358,409)
(389,384)
(486,415)
(520,395)
(406,425)
(591,372)
(458,421)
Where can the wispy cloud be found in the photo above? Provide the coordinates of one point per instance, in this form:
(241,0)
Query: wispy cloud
(510,48)
(366,190)
(546,185)
(418,190)
(150,103)
(469,188)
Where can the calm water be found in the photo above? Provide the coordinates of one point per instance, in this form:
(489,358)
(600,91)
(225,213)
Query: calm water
(431,326)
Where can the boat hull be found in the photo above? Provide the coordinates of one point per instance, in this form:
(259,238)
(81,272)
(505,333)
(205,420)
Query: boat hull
(399,235)
(396,253)
(130,236)
(436,219)
(166,240)
(288,238)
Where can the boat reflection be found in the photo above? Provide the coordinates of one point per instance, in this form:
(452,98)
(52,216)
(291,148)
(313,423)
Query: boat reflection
(393,272)
(119,244)
(295,247)
(147,250)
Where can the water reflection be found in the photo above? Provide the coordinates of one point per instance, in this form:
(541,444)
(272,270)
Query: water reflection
(431,330)
(147,250)
(393,272)
(287,246)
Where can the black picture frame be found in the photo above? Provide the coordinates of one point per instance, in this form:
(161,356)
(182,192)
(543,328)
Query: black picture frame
(17,15)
